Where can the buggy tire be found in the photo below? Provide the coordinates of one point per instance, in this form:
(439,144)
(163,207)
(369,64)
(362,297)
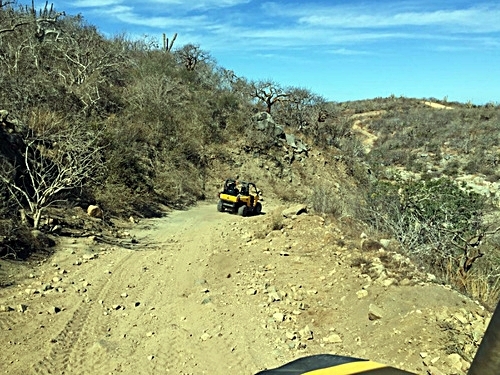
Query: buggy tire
(243,211)
(220,207)
(258,209)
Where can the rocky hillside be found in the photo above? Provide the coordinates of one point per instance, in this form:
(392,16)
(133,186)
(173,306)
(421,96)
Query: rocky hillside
(420,137)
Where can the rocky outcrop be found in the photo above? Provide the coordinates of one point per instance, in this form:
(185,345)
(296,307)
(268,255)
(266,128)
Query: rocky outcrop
(3,115)
(264,122)
(296,144)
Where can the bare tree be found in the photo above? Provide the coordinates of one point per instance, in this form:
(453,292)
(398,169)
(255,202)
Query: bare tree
(300,108)
(269,92)
(51,161)
(24,33)
(86,63)
(470,250)
(5,3)
(191,55)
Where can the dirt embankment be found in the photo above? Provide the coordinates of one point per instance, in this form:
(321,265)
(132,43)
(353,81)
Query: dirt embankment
(212,293)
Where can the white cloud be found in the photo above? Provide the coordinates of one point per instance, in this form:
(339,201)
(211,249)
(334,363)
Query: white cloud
(473,19)
(126,14)
(180,5)
(346,52)
(202,4)
(96,3)
(275,26)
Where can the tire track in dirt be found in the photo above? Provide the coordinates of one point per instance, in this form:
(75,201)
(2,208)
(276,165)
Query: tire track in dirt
(192,347)
(169,317)
(94,344)
(196,300)
(8,319)
(192,335)
(69,345)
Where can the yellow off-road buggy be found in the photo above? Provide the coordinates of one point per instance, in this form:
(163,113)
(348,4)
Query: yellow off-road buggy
(239,197)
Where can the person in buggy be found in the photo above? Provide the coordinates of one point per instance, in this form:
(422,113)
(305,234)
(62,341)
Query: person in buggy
(232,188)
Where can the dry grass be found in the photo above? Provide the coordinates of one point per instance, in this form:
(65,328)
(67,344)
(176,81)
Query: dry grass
(361,262)
(276,219)
(481,282)
(325,200)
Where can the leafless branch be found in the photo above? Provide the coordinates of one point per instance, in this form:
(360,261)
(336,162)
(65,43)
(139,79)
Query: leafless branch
(191,55)
(3,4)
(53,164)
(44,21)
(269,92)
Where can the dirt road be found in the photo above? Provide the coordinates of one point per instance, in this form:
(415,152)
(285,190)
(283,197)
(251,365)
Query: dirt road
(215,293)
(151,310)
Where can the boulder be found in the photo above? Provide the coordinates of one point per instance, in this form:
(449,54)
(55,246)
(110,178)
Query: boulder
(290,140)
(370,245)
(262,117)
(278,131)
(5,308)
(94,211)
(301,146)
(388,244)
(306,333)
(9,125)
(375,312)
(295,210)
(3,115)
(362,293)
(297,145)
(333,339)
(264,122)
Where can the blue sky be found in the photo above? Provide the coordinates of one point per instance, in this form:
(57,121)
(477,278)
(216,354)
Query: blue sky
(342,50)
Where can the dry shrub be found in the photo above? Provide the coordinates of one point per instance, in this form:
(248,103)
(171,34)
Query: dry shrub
(276,219)
(290,194)
(118,199)
(181,185)
(261,234)
(46,122)
(325,200)
(361,262)
(17,241)
(483,287)
(481,282)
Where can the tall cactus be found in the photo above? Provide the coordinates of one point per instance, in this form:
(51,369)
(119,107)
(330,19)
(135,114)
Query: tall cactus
(166,45)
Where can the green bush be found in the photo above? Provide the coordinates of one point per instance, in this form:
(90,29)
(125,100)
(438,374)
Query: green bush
(441,225)
(434,220)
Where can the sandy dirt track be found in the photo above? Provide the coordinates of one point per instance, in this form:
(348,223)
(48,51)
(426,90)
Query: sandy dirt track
(151,310)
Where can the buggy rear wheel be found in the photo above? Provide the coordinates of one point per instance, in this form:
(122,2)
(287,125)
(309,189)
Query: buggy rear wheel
(243,211)
(220,206)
